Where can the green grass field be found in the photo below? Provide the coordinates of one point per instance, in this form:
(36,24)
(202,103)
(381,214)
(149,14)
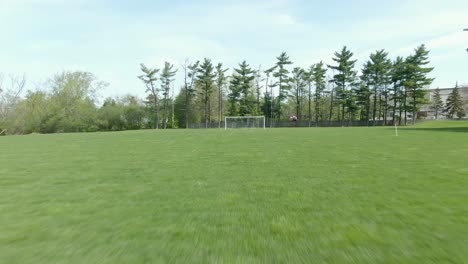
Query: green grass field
(337,195)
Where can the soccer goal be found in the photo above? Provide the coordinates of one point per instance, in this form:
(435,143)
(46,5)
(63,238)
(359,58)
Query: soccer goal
(3,132)
(244,122)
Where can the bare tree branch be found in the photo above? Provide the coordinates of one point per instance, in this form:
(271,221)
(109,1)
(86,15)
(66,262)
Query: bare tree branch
(9,96)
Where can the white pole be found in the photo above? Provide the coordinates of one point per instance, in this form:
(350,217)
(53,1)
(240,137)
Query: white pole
(264,122)
(225,123)
(396,130)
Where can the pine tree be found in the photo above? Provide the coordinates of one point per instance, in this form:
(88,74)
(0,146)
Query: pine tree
(258,89)
(268,107)
(149,78)
(318,76)
(437,103)
(397,78)
(166,78)
(379,67)
(363,93)
(298,83)
(416,78)
(234,95)
(308,78)
(332,98)
(205,80)
(179,108)
(221,79)
(241,96)
(283,78)
(190,76)
(344,79)
(454,105)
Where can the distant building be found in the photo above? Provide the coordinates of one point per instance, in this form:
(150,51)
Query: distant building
(426,110)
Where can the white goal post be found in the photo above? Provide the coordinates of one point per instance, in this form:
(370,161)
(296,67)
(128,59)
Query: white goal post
(4,131)
(244,122)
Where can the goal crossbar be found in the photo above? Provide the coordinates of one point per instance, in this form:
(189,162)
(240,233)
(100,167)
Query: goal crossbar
(260,121)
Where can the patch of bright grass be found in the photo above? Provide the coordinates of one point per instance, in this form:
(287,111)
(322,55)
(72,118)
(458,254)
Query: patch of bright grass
(354,195)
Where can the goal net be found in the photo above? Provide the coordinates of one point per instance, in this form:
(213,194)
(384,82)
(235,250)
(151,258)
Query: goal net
(244,122)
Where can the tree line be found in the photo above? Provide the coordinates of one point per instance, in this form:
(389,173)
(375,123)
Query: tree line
(382,90)
(453,107)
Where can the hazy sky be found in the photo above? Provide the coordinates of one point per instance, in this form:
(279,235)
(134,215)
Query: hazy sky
(111,37)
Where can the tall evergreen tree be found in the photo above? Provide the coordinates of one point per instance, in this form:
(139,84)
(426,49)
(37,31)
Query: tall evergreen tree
(166,78)
(318,76)
(283,77)
(206,80)
(149,78)
(437,103)
(258,89)
(221,79)
(332,98)
(378,68)
(351,102)
(308,79)
(190,76)
(298,83)
(268,108)
(454,105)
(417,79)
(179,108)
(234,95)
(344,79)
(397,78)
(363,93)
(241,98)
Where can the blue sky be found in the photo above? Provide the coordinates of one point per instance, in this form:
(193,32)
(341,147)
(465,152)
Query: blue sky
(110,38)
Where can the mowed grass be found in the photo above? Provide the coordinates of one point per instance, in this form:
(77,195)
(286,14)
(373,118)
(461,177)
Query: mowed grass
(297,195)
